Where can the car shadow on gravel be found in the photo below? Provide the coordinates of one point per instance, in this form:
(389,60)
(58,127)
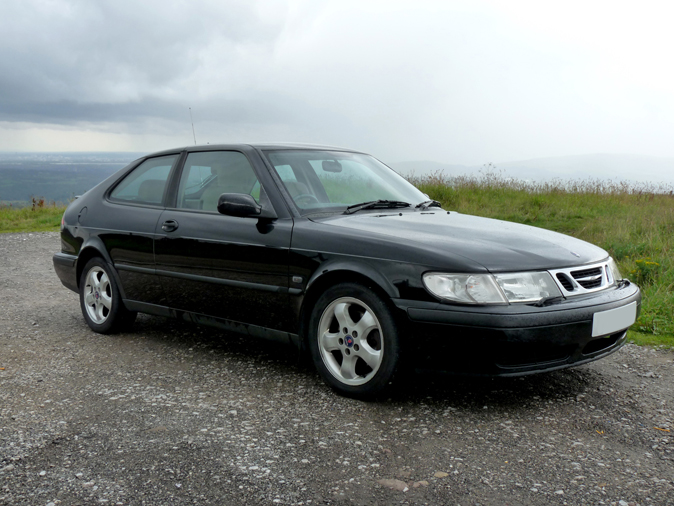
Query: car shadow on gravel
(215,343)
(471,393)
(478,393)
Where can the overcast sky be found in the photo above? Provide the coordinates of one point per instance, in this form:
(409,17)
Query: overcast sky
(463,82)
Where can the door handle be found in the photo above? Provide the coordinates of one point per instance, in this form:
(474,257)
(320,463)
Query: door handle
(169,226)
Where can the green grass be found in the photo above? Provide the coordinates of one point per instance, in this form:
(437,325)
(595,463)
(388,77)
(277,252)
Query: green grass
(635,224)
(31,218)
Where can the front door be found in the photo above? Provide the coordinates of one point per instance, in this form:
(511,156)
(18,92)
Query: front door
(223,266)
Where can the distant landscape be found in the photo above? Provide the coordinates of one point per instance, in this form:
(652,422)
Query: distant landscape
(635,170)
(59,177)
(56,177)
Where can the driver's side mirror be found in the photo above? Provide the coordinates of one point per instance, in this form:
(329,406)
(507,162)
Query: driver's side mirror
(242,206)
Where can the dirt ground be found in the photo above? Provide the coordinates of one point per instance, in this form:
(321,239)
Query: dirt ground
(171,413)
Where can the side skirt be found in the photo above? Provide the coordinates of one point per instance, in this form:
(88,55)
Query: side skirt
(221,323)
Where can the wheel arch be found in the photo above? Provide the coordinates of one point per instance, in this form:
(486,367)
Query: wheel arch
(338,274)
(92,248)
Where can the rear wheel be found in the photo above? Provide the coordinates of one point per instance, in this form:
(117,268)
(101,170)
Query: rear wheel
(354,340)
(100,299)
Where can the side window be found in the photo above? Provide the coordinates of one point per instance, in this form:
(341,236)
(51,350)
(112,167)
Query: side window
(146,183)
(208,175)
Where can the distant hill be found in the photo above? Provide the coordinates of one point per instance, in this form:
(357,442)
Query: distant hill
(634,168)
(426,168)
(55,176)
(61,176)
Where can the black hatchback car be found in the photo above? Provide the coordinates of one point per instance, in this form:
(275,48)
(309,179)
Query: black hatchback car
(332,251)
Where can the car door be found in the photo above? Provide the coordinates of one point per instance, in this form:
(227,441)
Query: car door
(223,266)
(128,222)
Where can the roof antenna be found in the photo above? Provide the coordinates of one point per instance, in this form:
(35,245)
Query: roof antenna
(195,135)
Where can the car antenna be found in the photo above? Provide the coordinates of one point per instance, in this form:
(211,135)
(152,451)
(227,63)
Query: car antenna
(192,120)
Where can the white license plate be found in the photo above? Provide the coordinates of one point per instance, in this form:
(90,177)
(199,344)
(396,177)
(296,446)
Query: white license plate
(613,320)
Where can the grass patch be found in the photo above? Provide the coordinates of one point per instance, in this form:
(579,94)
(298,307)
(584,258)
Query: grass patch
(666,341)
(33,218)
(635,224)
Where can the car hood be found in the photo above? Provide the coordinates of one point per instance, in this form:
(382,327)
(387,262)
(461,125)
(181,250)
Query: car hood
(499,246)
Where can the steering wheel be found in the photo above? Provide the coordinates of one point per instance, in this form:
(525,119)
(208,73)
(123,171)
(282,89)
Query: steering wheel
(306,196)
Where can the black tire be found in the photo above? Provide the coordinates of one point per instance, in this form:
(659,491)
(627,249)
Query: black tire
(100,300)
(353,340)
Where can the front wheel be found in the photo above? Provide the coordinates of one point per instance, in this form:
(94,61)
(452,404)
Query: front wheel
(100,299)
(353,340)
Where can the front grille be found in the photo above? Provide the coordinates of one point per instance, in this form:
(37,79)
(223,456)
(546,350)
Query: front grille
(589,278)
(583,279)
(565,281)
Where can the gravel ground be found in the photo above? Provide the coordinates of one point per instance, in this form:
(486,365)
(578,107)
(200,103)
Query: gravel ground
(172,413)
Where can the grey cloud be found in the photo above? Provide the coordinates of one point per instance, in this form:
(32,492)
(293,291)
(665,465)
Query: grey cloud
(462,82)
(252,109)
(142,65)
(70,57)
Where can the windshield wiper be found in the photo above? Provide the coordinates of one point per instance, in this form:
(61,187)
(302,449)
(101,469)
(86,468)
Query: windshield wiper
(376,204)
(428,203)
(546,301)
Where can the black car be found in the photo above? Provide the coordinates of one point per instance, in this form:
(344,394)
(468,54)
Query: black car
(332,251)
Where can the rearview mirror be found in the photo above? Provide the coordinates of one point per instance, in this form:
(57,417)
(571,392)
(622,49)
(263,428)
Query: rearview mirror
(332,166)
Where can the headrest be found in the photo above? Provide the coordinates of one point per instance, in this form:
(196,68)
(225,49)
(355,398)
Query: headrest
(151,190)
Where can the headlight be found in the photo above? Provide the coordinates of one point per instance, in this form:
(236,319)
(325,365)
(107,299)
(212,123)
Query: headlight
(527,286)
(491,289)
(615,273)
(465,288)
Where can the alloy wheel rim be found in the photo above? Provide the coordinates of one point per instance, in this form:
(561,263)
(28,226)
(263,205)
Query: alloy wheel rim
(351,341)
(97,295)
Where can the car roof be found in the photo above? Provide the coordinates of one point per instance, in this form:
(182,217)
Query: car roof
(258,146)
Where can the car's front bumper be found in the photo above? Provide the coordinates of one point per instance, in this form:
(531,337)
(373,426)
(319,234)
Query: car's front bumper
(512,340)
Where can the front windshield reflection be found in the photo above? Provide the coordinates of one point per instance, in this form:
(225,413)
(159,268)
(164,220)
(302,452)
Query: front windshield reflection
(333,180)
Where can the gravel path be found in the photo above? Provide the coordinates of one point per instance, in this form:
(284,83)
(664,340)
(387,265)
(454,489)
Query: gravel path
(172,413)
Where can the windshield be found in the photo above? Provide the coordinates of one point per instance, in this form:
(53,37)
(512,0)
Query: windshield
(334,180)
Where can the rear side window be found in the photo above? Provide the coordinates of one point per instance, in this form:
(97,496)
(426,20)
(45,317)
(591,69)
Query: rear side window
(146,183)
